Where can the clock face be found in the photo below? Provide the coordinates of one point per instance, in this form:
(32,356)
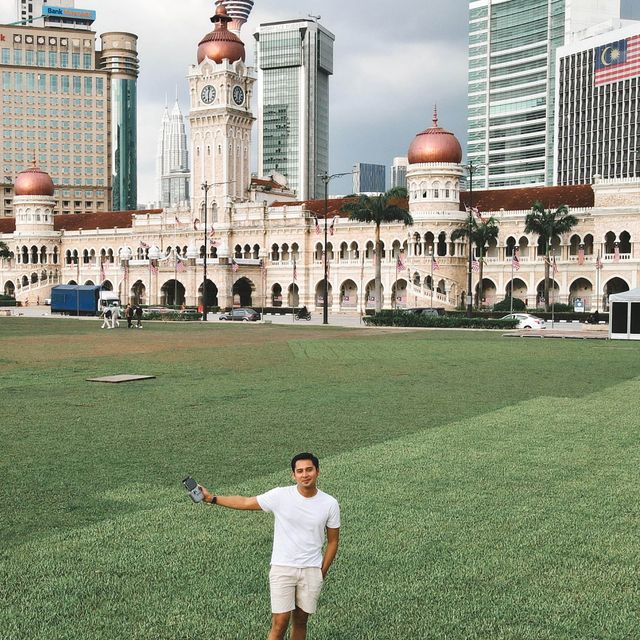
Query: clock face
(208,94)
(238,95)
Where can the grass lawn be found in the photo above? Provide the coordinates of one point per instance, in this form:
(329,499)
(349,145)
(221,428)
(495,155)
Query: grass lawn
(490,488)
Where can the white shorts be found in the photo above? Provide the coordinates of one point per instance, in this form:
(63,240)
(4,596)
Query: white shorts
(292,587)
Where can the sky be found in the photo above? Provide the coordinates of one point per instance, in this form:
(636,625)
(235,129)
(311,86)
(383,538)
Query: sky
(390,66)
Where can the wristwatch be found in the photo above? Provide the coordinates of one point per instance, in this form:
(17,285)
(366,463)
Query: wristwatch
(214,500)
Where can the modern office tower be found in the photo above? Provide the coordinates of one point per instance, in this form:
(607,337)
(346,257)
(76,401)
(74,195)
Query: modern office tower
(399,172)
(369,178)
(512,45)
(295,60)
(119,57)
(172,166)
(54,13)
(56,108)
(598,107)
(238,10)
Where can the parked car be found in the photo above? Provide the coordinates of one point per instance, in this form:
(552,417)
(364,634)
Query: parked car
(526,321)
(425,311)
(244,314)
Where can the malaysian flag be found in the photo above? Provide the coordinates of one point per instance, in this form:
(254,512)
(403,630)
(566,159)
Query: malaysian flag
(180,265)
(515,261)
(617,60)
(317,224)
(581,255)
(144,245)
(598,262)
(475,265)
(332,228)
(616,254)
(212,233)
(434,264)
(234,266)
(400,266)
(153,267)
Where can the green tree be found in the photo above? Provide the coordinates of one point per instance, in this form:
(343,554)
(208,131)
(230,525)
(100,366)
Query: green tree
(481,233)
(383,209)
(5,252)
(546,224)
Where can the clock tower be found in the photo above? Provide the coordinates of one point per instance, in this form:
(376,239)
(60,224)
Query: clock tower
(220,89)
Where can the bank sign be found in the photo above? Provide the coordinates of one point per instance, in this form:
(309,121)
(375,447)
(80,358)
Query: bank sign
(62,12)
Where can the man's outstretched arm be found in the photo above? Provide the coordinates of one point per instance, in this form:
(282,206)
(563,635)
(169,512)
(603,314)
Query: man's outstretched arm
(232,502)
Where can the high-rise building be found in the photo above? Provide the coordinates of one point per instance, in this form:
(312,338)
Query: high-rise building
(399,172)
(598,108)
(119,57)
(369,178)
(28,10)
(238,11)
(172,166)
(512,75)
(295,60)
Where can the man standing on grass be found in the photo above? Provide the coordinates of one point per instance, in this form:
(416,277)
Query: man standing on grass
(303,514)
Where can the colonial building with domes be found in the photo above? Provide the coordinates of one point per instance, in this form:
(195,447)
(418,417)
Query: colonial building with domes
(262,247)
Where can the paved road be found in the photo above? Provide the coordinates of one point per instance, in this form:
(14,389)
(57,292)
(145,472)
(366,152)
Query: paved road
(335,319)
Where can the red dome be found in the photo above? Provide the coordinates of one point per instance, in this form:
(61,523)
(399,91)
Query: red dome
(33,182)
(221,44)
(435,145)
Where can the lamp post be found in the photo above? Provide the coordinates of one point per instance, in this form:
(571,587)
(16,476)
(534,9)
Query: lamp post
(470,168)
(205,187)
(326,178)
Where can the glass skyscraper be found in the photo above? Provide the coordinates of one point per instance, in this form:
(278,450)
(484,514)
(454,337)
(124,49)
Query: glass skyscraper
(295,60)
(512,75)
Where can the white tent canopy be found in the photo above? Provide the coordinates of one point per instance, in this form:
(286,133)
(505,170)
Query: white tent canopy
(624,321)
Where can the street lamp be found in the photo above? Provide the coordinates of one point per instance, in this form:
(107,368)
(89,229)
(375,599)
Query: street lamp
(470,168)
(205,187)
(326,178)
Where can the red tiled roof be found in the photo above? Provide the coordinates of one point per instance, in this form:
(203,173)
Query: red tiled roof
(267,183)
(576,196)
(86,221)
(316,207)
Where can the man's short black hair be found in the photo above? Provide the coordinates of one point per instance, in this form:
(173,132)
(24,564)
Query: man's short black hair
(305,456)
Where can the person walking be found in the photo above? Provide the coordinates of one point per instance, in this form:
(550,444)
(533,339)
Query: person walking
(138,313)
(128,314)
(115,316)
(106,318)
(303,515)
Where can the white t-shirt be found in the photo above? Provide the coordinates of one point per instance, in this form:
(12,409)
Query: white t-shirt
(300,523)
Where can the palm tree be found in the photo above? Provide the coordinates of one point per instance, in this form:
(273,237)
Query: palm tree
(546,224)
(5,252)
(385,208)
(481,233)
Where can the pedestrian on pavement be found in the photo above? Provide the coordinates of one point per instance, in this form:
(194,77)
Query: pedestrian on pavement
(128,314)
(115,316)
(106,318)
(138,313)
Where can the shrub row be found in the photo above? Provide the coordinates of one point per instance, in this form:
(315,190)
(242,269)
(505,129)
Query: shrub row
(401,319)
(172,316)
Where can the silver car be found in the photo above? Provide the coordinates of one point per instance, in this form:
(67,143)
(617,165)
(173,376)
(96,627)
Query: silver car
(526,321)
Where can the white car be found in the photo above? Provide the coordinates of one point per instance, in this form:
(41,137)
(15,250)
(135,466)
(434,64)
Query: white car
(526,321)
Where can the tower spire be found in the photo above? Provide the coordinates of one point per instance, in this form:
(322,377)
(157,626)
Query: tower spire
(435,115)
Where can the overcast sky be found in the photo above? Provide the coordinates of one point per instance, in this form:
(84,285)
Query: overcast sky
(390,67)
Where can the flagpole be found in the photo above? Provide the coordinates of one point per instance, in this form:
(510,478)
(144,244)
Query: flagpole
(511,290)
(553,288)
(431,253)
(362,295)
(293,293)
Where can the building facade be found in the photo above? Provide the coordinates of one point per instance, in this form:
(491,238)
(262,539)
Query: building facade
(62,103)
(512,83)
(369,178)
(295,61)
(399,172)
(172,161)
(597,108)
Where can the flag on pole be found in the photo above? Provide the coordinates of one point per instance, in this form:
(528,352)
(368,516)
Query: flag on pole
(616,254)
(515,261)
(326,263)
(617,60)
(475,265)
(401,265)
(144,245)
(581,255)
(180,265)
(434,264)
(212,233)
(317,224)
(153,267)
(598,262)
(332,228)
(234,265)
(554,264)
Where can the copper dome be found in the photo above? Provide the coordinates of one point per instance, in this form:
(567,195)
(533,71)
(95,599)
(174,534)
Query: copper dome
(435,145)
(221,44)
(33,182)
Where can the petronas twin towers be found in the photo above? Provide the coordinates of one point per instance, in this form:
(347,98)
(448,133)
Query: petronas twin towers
(172,163)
